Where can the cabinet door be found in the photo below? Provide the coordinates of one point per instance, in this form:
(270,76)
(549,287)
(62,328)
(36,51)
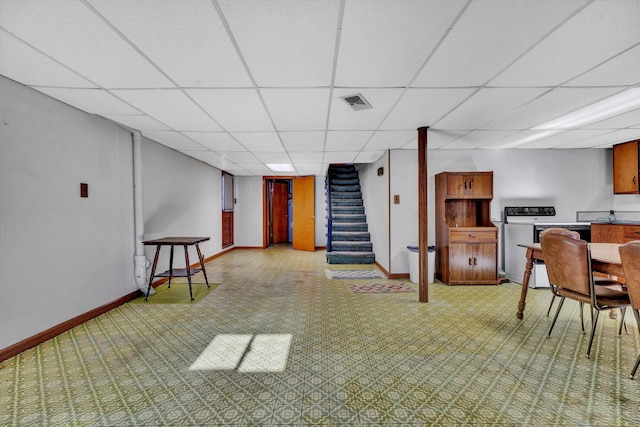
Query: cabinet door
(473,263)
(486,263)
(461,262)
(469,185)
(625,168)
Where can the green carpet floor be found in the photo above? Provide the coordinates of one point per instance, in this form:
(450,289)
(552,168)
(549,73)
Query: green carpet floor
(177,294)
(279,344)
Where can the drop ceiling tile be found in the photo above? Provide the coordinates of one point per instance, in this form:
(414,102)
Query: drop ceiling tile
(234,109)
(272,157)
(368,156)
(437,138)
(411,145)
(628,119)
(303,141)
(577,46)
(22,63)
(384,43)
(173,140)
(239,156)
(487,105)
(205,156)
(285,43)
(169,106)
(520,139)
(309,169)
(389,140)
(488,37)
(137,121)
(477,139)
(563,139)
(622,69)
(550,106)
(606,140)
(297,109)
(347,140)
(309,157)
(259,141)
(216,141)
(94,101)
(340,157)
(197,52)
(73,34)
(345,118)
(423,107)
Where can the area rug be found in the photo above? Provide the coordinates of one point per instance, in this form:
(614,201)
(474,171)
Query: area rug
(353,274)
(380,288)
(178,294)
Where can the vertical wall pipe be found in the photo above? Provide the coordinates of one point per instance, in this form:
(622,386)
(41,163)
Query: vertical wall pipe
(140,259)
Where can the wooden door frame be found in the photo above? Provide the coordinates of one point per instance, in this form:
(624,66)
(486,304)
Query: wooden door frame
(265,225)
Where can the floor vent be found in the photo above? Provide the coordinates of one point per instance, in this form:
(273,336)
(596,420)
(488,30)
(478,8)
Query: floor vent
(357,102)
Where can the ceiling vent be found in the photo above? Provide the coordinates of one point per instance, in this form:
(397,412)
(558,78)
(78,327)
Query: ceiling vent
(357,102)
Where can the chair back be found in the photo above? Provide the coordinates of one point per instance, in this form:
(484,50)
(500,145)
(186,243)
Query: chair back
(567,259)
(630,257)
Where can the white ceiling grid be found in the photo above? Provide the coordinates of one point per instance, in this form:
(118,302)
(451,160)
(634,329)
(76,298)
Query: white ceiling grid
(242,84)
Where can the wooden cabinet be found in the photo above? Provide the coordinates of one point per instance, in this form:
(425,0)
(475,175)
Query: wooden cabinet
(614,233)
(626,168)
(466,239)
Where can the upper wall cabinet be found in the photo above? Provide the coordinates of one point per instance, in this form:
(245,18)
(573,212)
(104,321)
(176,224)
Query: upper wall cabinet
(478,185)
(626,167)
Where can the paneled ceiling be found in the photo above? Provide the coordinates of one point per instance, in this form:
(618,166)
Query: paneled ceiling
(240,84)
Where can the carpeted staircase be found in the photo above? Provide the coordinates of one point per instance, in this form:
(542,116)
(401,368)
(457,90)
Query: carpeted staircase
(350,241)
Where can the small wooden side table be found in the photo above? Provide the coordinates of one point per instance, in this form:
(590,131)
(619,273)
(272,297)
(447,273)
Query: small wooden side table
(178,272)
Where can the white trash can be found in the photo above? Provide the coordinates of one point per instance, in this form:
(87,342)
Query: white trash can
(414,261)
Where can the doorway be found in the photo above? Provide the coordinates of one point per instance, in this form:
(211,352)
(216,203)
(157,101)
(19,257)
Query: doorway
(279,215)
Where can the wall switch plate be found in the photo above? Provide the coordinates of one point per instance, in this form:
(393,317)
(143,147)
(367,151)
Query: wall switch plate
(84,189)
(396,199)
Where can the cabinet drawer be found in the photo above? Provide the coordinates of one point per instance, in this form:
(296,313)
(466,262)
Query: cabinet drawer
(631,232)
(467,234)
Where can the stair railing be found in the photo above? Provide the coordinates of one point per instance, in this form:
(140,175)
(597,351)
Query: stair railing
(327,184)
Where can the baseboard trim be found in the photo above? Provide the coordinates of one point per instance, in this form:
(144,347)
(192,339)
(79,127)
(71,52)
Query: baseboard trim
(43,336)
(392,276)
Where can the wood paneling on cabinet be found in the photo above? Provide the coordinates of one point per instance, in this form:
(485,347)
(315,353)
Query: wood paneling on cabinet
(614,233)
(626,168)
(466,239)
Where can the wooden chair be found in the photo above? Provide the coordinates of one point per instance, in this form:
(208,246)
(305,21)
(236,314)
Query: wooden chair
(568,262)
(630,257)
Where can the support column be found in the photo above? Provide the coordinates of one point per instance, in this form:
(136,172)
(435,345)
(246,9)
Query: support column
(423,220)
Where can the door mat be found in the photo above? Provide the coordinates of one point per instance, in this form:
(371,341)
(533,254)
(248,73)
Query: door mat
(380,288)
(353,274)
(178,294)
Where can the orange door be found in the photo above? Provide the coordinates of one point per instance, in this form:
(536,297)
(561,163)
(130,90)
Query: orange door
(304,211)
(280,216)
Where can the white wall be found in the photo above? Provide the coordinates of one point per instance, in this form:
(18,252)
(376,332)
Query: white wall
(375,196)
(60,255)
(321,212)
(247,215)
(570,180)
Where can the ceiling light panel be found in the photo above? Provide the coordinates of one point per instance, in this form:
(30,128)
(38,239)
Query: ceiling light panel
(285,43)
(216,141)
(347,140)
(22,63)
(423,107)
(303,141)
(297,109)
(95,101)
(169,106)
(259,141)
(174,140)
(344,118)
(234,109)
(184,38)
(486,105)
(489,36)
(405,32)
(550,106)
(71,33)
(582,37)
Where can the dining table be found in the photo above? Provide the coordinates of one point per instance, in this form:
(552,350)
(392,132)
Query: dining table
(605,259)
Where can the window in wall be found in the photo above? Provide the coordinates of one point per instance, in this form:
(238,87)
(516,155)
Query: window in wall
(228,200)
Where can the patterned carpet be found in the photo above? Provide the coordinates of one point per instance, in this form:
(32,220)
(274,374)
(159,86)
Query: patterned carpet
(353,274)
(379,288)
(341,358)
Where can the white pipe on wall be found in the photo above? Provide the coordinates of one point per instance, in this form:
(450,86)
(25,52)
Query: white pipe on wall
(140,260)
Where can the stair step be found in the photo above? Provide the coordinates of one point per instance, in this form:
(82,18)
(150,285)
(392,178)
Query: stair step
(344,181)
(351,246)
(336,195)
(350,226)
(345,202)
(351,257)
(350,218)
(345,188)
(350,236)
(340,210)
(343,175)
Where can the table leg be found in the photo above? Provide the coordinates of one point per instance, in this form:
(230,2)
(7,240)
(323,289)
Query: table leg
(188,268)
(525,284)
(202,265)
(170,266)
(153,271)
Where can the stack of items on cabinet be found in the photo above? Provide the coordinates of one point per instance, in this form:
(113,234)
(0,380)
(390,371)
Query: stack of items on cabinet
(466,239)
